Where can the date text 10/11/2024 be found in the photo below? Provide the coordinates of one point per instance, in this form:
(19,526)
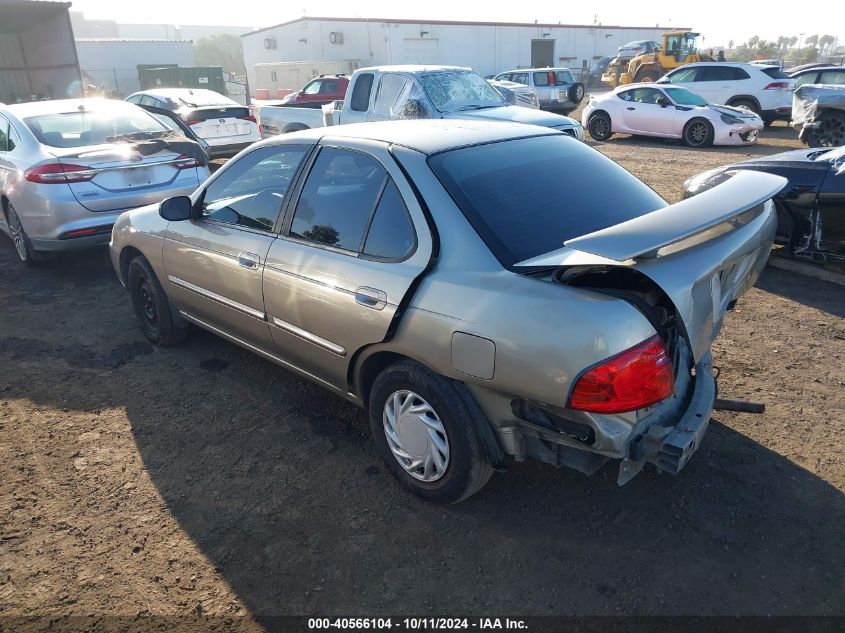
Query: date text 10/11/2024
(415,624)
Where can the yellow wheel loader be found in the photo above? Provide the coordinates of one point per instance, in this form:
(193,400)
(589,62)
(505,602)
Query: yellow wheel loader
(678,48)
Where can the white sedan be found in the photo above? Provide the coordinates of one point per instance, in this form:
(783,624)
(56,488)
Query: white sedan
(669,111)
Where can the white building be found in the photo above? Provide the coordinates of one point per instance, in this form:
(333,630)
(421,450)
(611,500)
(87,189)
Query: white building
(488,47)
(112,64)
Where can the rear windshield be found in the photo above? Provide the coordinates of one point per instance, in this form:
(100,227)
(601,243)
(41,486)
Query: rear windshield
(775,73)
(198,98)
(526,197)
(235,112)
(79,129)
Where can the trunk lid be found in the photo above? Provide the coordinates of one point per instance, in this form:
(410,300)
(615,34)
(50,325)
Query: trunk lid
(125,178)
(703,252)
(220,121)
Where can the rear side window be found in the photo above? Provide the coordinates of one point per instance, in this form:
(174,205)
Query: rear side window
(806,78)
(329,86)
(391,234)
(526,197)
(541,79)
(722,73)
(775,73)
(338,199)
(563,78)
(250,192)
(361,93)
(836,77)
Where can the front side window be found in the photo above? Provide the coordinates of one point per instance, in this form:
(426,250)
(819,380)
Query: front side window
(682,96)
(338,198)
(646,95)
(312,88)
(520,78)
(391,92)
(250,193)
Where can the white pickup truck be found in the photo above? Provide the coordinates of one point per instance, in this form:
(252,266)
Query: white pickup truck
(411,92)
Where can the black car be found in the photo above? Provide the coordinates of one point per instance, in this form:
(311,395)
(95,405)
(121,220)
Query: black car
(597,70)
(811,208)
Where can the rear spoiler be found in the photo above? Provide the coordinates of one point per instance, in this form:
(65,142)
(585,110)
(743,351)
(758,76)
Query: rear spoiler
(644,236)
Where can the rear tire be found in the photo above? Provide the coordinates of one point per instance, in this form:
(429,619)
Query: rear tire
(600,127)
(152,307)
(698,133)
(432,419)
(27,255)
(648,76)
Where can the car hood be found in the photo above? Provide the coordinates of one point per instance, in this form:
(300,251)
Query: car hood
(740,113)
(517,115)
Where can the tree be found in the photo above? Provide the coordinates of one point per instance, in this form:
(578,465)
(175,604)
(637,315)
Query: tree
(223,49)
(811,40)
(825,42)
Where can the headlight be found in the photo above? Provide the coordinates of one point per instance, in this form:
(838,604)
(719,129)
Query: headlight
(730,120)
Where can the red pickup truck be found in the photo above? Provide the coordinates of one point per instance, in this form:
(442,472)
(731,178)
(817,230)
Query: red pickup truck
(322,89)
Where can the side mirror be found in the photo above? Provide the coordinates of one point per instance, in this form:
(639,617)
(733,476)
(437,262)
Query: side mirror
(176,209)
(663,102)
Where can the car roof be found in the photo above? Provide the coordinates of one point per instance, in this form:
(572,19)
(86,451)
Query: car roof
(533,70)
(57,106)
(410,68)
(179,92)
(742,64)
(428,136)
(818,69)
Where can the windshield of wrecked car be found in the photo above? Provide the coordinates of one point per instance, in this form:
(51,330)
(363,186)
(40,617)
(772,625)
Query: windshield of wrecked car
(526,197)
(460,90)
(682,96)
(82,128)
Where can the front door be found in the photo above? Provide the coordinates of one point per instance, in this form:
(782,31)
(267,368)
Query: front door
(215,262)
(643,113)
(352,247)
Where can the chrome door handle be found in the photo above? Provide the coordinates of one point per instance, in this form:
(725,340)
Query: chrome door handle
(248,260)
(371,298)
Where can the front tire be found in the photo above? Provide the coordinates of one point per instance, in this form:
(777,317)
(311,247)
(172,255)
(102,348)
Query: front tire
(698,133)
(600,127)
(425,433)
(152,307)
(27,255)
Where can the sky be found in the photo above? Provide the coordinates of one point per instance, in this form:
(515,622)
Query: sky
(718,22)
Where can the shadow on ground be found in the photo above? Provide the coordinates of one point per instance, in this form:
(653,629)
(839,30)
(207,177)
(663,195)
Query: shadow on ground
(277,483)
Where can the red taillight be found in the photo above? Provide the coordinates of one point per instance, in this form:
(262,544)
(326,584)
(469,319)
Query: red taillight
(551,78)
(248,117)
(187,162)
(80,232)
(58,173)
(634,379)
(191,122)
(777,85)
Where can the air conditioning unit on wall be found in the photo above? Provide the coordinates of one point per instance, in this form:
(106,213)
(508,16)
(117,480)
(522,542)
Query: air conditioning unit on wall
(336,37)
(270,43)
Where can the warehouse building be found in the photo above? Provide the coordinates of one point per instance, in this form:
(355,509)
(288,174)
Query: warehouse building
(112,64)
(488,47)
(37,55)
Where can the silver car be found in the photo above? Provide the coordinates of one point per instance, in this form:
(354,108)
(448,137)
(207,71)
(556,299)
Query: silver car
(482,289)
(68,168)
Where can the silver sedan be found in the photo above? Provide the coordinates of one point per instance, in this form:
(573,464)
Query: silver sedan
(483,289)
(68,168)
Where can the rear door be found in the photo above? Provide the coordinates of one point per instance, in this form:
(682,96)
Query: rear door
(350,249)
(215,262)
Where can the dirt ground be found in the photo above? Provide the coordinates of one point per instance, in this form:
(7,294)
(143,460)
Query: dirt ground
(203,480)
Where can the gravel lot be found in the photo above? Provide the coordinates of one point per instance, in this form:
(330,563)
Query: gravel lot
(203,480)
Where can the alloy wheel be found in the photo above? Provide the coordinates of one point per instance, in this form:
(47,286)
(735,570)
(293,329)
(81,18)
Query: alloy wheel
(830,132)
(697,133)
(416,436)
(18,234)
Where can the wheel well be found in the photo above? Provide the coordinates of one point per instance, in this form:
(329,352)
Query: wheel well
(127,255)
(594,113)
(369,370)
(750,98)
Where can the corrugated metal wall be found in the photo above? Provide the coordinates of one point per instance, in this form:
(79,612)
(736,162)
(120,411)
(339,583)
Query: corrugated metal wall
(113,64)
